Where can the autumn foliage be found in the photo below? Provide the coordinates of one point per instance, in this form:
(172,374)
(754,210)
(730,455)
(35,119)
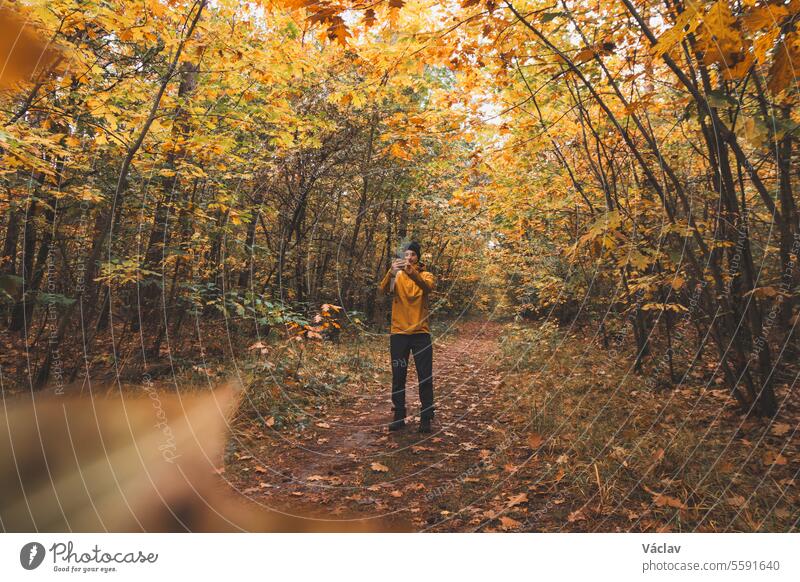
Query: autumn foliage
(240,164)
(187,185)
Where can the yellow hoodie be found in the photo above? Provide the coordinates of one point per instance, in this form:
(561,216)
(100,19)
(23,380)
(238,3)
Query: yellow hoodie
(410,305)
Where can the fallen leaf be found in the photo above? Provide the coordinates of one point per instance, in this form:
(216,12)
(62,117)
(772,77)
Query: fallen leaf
(782,513)
(260,469)
(535,440)
(323,425)
(378,467)
(735,500)
(517,499)
(576,515)
(663,500)
(270,421)
(780,428)
(774,458)
(725,467)
(396,493)
(510,523)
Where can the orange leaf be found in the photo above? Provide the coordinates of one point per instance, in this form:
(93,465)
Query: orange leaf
(509,523)
(774,458)
(665,500)
(780,428)
(535,440)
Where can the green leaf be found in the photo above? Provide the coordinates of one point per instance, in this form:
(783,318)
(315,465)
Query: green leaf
(55,299)
(10,284)
(720,99)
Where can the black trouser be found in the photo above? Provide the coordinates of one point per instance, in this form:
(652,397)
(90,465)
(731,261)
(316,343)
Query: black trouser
(420,345)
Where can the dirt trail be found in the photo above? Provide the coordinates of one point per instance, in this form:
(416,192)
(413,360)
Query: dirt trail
(499,458)
(347,465)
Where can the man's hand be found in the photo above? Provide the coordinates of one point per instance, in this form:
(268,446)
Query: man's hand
(412,271)
(398,265)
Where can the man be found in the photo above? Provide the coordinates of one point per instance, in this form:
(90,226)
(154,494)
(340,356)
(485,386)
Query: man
(411,284)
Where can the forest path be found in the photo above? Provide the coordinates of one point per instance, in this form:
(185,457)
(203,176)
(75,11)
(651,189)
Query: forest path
(347,465)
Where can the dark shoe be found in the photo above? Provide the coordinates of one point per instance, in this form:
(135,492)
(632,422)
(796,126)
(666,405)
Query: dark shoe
(425,423)
(430,411)
(399,420)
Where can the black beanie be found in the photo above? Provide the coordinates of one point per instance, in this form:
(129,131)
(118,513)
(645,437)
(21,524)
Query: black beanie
(414,246)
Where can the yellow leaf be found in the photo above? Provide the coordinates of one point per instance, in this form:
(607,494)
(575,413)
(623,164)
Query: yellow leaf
(765,17)
(398,151)
(639,260)
(763,44)
(720,41)
(787,59)
(687,22)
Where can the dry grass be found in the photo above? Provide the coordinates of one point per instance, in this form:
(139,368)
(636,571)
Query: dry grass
(635,457)
(289,382)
